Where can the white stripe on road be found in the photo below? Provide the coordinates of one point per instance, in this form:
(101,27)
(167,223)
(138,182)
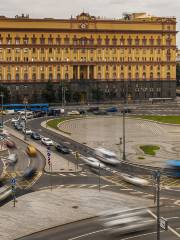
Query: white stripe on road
(169,228)
(104,186)
(92,186)
(71,174)
(62,174)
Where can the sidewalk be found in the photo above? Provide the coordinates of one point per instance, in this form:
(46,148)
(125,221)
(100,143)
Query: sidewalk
(45,209)
(59,164)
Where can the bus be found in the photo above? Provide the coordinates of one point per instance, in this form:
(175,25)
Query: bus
(173,168)
(30,107)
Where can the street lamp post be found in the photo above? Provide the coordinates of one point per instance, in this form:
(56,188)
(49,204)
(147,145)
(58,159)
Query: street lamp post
(124,138)
(25,102)
(2,96)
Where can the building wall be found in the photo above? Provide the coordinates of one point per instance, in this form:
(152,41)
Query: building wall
(39,50)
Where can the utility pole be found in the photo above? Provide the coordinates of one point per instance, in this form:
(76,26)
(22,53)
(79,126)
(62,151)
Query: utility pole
(25,102)
(2,96)
(158,176)
(124,138)
(99,178)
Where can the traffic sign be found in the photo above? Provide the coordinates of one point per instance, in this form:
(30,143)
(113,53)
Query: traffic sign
(13,181)
(49,154)
(164,223)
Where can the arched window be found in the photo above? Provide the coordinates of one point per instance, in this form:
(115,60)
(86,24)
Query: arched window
(107,75)
(168,76)
(122,76)
(99,76)
(151,75)
(9,76)
(42,76)
(66,76)
(25,77)
(34,77)
(58,76)
(137,76)
(50,76)
(114,76)
(144,76)
(129,76)
(17,76)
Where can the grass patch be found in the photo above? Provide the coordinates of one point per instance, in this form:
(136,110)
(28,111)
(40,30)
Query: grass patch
(162,119)
(55,122)
(149,149)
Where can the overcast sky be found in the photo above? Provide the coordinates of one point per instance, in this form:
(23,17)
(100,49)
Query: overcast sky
(107,8)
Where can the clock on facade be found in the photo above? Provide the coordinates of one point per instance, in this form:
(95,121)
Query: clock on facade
(83,25)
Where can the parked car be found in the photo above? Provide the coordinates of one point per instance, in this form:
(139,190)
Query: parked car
(18,127)
(93,109)
(13,120)
(35,136)
(47,141)
(100,112)
(62,149)
(73,113)
(112,109)
(31,151)
(82,111)
(27,131)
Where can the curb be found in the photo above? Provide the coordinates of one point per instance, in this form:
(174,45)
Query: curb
(148,120)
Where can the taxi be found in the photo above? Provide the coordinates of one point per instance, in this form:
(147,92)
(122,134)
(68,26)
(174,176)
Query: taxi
(31,151)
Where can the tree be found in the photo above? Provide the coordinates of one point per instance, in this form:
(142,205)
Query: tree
(5,91)
(48,94)
(178,73)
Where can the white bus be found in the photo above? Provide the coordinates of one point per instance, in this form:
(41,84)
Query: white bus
(106,156)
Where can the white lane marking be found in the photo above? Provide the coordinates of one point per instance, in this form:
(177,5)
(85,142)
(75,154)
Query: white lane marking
(172,218)
(71,174)
(104,186)
(62,174)
(169,228)
(126,189)
(83,185)
(92,186)
(61,186)
(140,235)
(84,175)
(91,233)
(71,186)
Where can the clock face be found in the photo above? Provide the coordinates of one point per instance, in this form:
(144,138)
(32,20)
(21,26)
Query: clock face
(83,25)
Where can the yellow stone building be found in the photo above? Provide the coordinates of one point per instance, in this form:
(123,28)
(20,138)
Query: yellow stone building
(133,57)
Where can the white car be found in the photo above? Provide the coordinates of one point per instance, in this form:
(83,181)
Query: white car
(73,113)
(28,131)
(93,162)
(134,180)
(106,156)
(47,141)
(12,158)
(13,120)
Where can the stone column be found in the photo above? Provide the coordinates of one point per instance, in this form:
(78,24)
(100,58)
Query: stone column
(78,72)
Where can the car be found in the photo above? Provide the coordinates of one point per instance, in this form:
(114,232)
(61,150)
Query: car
(93,109)
(100,112)
(35,136)
(62,149)
(128,221)
(31,151)
(10,143)
(27,131)
(82,111)
(18,127)
(93,162)
(14,120)
(134,180)
(112,109)
(73,113)
(29,172)
(47,141)
(106,156)
(12,158)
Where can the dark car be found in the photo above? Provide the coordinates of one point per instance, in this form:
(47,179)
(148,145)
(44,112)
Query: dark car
(62,149)
(29,172)
(93,109)
(82,111)
(126,110)
(100,112)
(112,109)
(18,127)
(35,136)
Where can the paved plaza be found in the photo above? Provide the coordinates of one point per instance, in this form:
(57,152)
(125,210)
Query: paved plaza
(106,132)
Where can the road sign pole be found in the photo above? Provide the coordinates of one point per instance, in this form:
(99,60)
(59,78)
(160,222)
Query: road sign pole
(13,187)
(158,203)
(99,179)
(50,165)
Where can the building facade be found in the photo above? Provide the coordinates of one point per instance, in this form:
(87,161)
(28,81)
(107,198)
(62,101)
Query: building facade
(131,58)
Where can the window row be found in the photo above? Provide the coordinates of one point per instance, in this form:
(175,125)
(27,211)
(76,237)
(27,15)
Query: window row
(75,40)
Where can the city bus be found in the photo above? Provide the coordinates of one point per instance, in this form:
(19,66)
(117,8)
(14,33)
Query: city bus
(173,168)
(30,107)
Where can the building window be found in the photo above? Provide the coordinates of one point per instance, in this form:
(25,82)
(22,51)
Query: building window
(17,76)
(66,40)
(144,76)
(66,76)
(107,75)
(151,75)
(58,41)
(129,76)
(107,40)
(158,76)
(137,76)
(99,76)
(33,40)
(50,41)
(34,76)
(151,41)
(168,76)
(25,77)
(50,50)
(114,41)
(9,77)
(58,76)
(42,40)
(158,41)
(137,41)
(122,76)
(17,40)
(144,41)
(42,76)
(114,76)
(99,41)
(129,67)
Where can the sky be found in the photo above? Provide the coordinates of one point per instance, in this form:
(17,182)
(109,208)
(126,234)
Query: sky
(103,8)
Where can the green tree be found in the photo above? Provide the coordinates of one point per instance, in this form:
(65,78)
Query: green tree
(48,94)
(5,91)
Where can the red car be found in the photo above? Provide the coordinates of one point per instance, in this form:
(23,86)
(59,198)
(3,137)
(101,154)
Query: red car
(10,144)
